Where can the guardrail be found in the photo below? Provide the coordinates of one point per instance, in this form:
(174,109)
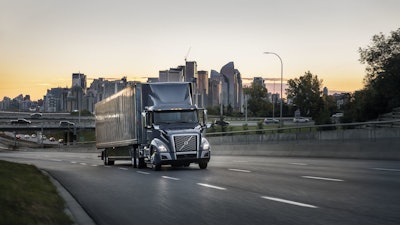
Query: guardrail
(343,131)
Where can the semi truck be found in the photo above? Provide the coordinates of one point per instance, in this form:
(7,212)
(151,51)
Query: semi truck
(152,124)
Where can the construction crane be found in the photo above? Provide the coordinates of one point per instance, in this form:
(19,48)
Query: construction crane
(187,54)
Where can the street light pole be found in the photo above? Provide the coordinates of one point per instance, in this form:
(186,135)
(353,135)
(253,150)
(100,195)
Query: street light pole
(281,106)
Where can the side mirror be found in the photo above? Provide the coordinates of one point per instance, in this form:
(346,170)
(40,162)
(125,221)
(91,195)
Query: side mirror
(202,114)
(145,120)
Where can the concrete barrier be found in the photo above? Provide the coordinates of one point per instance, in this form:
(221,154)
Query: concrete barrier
(366,143)
(387,149)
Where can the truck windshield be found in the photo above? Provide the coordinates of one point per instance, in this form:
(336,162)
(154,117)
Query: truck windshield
(175,117)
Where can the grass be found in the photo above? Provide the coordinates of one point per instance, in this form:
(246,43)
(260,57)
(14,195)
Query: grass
(28,197)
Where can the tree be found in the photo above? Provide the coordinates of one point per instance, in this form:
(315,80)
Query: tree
(381,92)
(258,103)
(306,93)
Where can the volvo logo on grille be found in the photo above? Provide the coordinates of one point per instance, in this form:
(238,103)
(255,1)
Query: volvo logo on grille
(185,143)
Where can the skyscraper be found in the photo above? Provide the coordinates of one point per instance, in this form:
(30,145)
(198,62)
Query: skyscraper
(215,89)
(202,88)
(232,86)
(79,79)
(191,71)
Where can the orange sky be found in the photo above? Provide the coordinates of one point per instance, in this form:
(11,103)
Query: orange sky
(41,45)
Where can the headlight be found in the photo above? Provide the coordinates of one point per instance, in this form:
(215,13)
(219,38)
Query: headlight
(205,144)
(162,148)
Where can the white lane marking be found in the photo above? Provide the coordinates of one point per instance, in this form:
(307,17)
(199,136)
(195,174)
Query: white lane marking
(122,168)
(240,170)
(299,164)
(73,162)
(289,202)
(107,166)
(211,186)
(387,169)
(240,161)
(83,164)
(94,165)
(322,178)
(142,172)
(170,178)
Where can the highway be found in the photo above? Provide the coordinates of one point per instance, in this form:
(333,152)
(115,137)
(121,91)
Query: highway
(232,190)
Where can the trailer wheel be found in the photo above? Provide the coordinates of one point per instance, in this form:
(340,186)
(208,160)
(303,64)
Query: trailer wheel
(107,161)
(203,164)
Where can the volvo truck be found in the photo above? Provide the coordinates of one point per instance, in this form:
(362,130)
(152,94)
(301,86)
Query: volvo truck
(152,124)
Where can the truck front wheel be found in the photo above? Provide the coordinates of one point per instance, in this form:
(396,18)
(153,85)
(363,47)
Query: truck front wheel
(156,167)
(203,164)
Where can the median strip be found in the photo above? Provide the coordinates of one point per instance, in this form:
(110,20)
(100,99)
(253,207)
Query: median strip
(289,202)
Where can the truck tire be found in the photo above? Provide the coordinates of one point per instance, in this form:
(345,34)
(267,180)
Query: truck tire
(156,167)
(142,163)
(203,164)
(107,161)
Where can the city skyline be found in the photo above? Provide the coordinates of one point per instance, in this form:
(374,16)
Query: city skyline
(43,44)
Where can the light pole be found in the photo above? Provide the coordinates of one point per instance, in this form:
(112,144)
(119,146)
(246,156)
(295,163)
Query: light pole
(280,115)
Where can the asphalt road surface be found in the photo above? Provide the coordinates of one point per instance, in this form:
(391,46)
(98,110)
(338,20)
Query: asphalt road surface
(232,190)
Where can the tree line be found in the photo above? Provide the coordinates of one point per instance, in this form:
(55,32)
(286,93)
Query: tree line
(380,94)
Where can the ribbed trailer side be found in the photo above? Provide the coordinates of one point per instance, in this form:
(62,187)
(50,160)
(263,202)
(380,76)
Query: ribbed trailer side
(116,120)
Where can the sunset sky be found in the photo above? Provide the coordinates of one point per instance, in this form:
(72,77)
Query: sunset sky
(42,42)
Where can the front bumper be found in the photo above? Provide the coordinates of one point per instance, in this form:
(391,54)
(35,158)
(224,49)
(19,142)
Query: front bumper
(173,158)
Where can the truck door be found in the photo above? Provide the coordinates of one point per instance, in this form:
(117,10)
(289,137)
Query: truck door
(147,127)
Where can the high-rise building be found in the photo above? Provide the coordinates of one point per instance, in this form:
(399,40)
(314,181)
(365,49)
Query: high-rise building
(202,88)
(171,75)
(232,93)
(215,89)
(100,89)
(55,100)
(191,71)
(79,79)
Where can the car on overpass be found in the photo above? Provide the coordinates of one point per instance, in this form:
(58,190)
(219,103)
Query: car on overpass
(66,123)
(36,115)
(221,122)
(271,120)
(21,122)
(300,120)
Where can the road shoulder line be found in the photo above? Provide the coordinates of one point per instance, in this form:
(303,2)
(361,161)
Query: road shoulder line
(73,209)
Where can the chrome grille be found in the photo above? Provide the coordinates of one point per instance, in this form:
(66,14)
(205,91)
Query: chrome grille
(185,143)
